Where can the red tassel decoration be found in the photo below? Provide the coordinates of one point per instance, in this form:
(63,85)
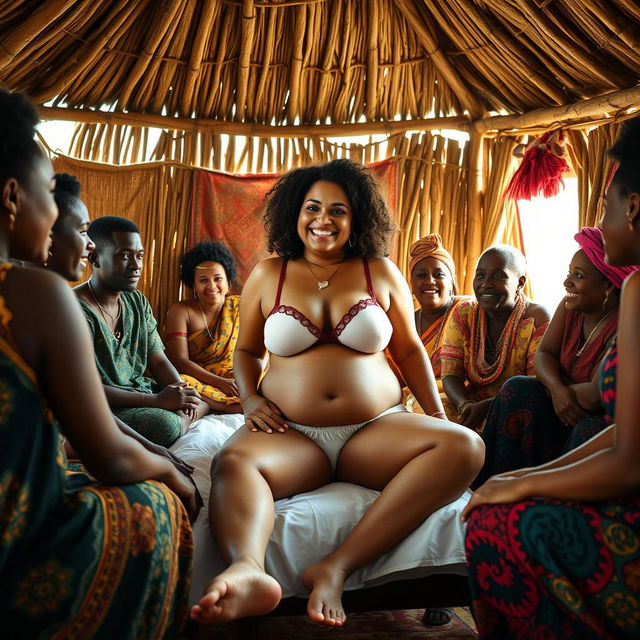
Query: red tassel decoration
(541,169)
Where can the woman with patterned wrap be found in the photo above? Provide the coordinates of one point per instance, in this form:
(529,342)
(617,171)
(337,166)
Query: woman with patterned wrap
(201,333)
(533,420)
(566,563)
(491,338)
(78,559)
(433,284)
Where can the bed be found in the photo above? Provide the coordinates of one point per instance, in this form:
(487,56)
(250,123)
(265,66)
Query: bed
(426,569)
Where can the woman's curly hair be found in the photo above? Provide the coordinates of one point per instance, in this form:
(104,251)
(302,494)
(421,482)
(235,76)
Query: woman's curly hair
(371,224)
(207,252)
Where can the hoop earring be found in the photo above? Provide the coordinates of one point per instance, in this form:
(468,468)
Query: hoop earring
(629,220)
(607,293)
(352,242)
(12,221)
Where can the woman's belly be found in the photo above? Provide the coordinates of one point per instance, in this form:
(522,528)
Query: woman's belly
(331,385)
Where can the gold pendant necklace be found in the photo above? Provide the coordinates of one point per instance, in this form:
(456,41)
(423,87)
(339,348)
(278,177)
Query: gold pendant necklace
(322,284)
(581,350)
(206,324)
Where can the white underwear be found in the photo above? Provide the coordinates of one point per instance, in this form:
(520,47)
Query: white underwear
(332,439)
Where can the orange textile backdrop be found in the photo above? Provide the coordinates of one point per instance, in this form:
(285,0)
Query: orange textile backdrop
(229,208)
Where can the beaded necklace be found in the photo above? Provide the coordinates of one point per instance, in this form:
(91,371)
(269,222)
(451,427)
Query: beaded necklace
(482,376)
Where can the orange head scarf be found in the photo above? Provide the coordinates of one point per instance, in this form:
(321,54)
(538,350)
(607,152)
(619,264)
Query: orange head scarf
(431,247)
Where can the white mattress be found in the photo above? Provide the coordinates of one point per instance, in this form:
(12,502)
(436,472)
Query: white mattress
(310,525)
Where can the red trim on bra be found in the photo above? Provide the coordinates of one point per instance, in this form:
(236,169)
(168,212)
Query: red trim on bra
(332,335)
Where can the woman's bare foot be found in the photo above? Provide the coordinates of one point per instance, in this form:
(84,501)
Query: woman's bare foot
(242,590)
(325,581)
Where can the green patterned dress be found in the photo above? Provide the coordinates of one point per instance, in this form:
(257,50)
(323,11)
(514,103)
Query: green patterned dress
(79,559)
(122,364)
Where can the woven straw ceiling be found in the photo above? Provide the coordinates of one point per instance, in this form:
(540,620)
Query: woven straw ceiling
(318,61)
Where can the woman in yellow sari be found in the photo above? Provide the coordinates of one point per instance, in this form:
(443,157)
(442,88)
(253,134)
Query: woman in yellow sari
(433,284)
(201,334)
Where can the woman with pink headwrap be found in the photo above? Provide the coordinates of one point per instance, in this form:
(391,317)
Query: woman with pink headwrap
(433,283)
(532,420)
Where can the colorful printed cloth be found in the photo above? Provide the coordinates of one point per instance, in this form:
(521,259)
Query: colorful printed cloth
(557,569)
(458,359)
(213,348)
(522,428)
(122,364)
(79,559)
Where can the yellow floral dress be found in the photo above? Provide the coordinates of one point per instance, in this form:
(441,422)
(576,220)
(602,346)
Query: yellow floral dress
(79,559)
(212,349)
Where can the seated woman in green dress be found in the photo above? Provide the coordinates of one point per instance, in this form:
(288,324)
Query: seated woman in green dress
(106,558)
(201,333)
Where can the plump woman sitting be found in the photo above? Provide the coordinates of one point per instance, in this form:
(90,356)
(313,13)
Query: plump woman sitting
(433,284)
(532,420)
(201,333)
(78,558)
(491,338)
(329,407)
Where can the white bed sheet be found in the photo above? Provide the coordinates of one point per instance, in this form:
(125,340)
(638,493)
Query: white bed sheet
(310,525)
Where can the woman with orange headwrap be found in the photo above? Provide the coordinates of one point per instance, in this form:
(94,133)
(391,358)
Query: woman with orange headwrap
(433,283)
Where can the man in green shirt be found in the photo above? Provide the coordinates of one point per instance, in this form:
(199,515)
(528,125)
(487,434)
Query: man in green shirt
(126,342)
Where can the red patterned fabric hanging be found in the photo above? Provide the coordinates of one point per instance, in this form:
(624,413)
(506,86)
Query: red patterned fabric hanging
(541,169)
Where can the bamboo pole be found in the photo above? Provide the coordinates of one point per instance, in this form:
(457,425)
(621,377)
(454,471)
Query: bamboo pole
(584,110)
(474,204)
(467,98)
(246,47)
(460,123)
(76,64)
(24,33)
(154,38)
(372,59)
(205,22)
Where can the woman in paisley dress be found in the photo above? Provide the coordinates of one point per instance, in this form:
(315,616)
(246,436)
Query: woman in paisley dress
(554,550)
(108,557)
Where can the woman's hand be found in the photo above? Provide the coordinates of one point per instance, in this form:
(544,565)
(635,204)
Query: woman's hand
(261,414)
(178,396)
(227,386)
(185,488)
(566,406)
(499,489)
(472,414)
(182,466)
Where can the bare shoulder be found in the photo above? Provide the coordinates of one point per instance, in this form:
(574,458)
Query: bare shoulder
(49,285)
(384,268)
(631,287)
(539,313)
(178,310)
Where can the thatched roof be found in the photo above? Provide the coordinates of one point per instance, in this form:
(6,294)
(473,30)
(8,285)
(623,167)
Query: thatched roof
(284,62)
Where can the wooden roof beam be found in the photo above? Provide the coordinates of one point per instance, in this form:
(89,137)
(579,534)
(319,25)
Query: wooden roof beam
(574,113)
(424,31)
(250,129)
(20,36)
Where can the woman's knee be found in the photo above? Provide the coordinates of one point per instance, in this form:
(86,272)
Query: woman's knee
(230,460)
(465,450)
